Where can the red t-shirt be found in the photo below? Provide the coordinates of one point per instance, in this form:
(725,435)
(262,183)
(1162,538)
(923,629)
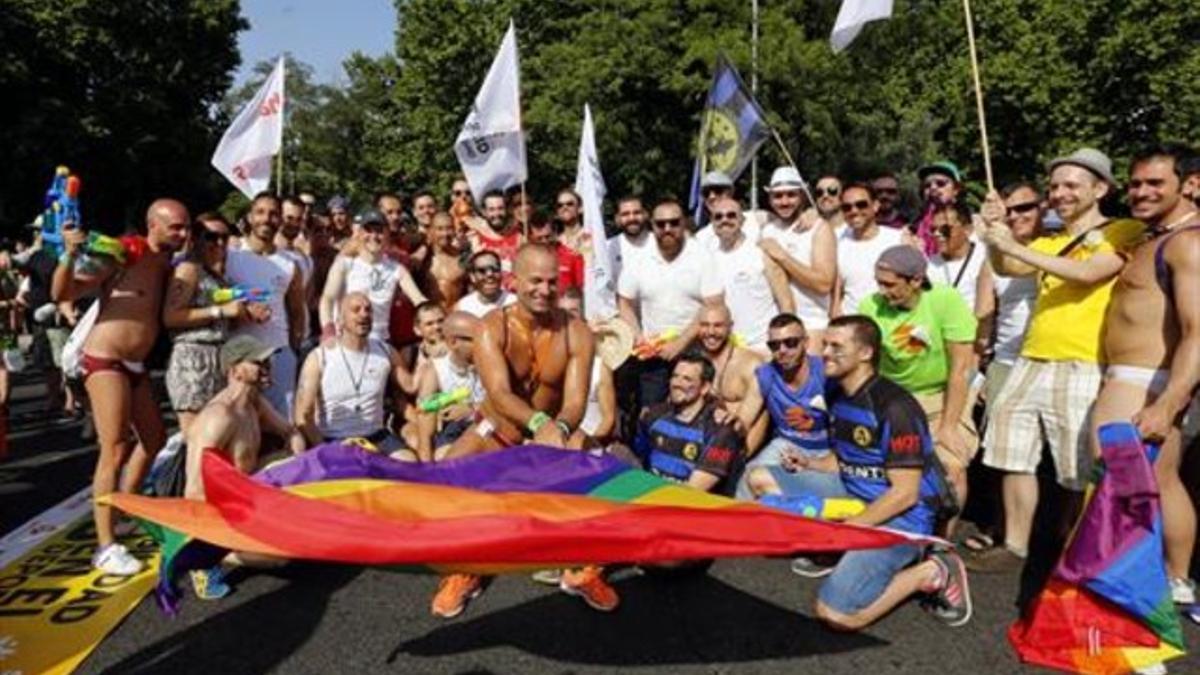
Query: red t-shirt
(570,268)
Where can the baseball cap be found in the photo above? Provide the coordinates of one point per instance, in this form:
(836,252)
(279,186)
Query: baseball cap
(370,216)
(904,260)
(338,203)
(717,179)
(243,348)
(943,166)
(785,178)
(1089,158)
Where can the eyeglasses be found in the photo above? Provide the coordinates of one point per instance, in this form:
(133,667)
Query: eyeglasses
(486,269)
(215,237)
(860,205)
(831,191)
(724,215)
(790,343)
(1022,208)
(566,205)
(668,223)
(938,183)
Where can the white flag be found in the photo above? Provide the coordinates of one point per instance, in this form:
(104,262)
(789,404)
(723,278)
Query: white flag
(256,135)
(853,16)
(599,282)
(491,145)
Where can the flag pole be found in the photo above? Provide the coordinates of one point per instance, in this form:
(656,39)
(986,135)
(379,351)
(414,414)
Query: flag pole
(754,90)
(792,163)
(983,135)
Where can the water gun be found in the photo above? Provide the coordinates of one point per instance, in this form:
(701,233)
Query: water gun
(240,292)
(810,506)
(61,207)
(650,347)
(125,250)
(445,399)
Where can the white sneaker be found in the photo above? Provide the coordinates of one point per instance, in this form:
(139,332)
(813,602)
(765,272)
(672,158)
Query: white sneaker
(115,559)
(1152,669)
(1183,591)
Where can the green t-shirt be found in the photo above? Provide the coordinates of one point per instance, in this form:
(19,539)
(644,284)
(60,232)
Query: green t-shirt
(914,340)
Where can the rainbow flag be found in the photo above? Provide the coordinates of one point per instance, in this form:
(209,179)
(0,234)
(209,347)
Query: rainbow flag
(523,508)
(1107,607)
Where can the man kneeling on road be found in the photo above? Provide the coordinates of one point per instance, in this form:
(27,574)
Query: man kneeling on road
(883,455)
(232,424)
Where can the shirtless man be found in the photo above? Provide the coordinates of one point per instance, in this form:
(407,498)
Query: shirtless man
(445,279)
(232,424)
(117,383)
(1152,340)
(735,369)
(535,362)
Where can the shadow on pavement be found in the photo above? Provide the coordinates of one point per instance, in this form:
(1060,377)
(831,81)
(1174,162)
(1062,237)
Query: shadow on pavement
(691,620)
(253,637)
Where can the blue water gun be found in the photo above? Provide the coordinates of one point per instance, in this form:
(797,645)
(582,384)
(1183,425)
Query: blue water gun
(61,208)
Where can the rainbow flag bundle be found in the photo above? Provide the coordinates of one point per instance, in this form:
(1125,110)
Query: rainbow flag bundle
(1107,608)
(523,508)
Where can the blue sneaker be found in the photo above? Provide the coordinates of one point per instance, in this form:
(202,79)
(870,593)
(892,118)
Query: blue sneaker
(210,584)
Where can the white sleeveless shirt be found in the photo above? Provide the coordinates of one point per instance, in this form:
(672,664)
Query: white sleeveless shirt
(352,389)
(273,273)
(812,307)
(378,280)
(449,378)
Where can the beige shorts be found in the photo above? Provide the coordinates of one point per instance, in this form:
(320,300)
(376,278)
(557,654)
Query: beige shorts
(932,405)
(1044,402)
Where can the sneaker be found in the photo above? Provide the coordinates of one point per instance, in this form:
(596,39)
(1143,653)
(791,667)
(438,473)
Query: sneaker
(115,559)
(548,577)
(811,568)
(951,601)
(998,560)
(1183,591)
(454,592)
(589,584)
(210,584)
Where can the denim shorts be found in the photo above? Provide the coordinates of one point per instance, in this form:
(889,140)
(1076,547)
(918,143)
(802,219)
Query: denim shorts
(861,576)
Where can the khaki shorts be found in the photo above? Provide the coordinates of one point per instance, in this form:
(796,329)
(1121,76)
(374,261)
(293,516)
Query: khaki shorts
(1044,402)
(932,405)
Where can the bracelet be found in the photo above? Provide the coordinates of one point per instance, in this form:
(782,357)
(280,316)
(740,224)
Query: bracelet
(215,311)
(536,422)
(564,427)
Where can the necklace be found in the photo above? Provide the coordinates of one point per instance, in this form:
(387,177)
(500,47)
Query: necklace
(362,371)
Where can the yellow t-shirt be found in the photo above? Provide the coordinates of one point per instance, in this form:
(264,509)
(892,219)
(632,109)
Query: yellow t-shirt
(1068,318)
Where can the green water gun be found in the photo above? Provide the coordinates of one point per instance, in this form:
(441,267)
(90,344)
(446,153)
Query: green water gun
(445,399)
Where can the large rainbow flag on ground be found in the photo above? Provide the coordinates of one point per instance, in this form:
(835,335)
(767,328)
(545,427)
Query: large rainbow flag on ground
(522,508)
(1107,607)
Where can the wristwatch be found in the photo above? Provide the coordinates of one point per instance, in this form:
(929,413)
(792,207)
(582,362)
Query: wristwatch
(536,422)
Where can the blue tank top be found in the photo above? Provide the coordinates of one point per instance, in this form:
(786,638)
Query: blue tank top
(813,434)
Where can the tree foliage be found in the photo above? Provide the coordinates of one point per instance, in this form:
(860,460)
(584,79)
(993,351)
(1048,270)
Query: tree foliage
(122,92)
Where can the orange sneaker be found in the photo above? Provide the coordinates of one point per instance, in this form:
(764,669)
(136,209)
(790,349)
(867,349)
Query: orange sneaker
(454,592)
(588,583)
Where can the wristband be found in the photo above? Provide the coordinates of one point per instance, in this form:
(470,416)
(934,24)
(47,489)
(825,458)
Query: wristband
(66,258)
(536,422)
(215,311)
(564,428)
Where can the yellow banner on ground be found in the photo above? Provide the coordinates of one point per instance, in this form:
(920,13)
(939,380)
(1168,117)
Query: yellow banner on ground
(55,607)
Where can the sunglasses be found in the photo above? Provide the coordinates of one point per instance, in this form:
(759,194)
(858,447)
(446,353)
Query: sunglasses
(828,191)
(724,215)
(215,237)
(486,269)
(668,223)
(860,205)
(1022,208)
(790,343)
(937,183)
(459,193)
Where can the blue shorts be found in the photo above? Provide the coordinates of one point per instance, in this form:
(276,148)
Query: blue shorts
(860,577)
(771,454)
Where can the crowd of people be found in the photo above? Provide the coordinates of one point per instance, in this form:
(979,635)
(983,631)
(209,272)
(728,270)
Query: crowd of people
(834,345)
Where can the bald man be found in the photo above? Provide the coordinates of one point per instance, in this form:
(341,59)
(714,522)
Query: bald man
(118,386)
(454,370)
(734,369)
(535,363)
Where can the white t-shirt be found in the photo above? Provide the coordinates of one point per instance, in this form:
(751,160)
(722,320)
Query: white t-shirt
(856,264)
(592,413)
(474,304)
(670,294)
(624,251)
(959,274)
(1015,297)
(747,293)
(811,307)
(379,281)
(272,273)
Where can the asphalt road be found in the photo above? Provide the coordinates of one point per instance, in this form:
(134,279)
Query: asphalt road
(744,616)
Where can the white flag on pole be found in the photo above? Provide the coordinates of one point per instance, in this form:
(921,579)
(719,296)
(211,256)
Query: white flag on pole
(599,282)
(853,16)
(491,145)
(256,135)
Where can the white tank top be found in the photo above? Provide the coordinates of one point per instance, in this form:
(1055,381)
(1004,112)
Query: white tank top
(273,273)
(592,414)
(1015,297)
(378,280)
(812,307)
(449,378)
(747,293)
(352,389)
